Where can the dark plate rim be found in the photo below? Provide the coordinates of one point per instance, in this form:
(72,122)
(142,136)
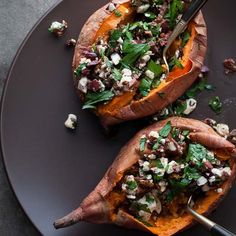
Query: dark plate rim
(3,97)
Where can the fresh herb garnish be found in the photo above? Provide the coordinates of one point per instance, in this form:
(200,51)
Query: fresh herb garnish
(191,173)
(116,74)
(150,15)
(185,38)
(145,86)
(142,144)
(174,62)
(216,104)
(196,154)
(117,13)
(155,68)
(133,52)
(79,69)
(115,35)
(196,88)
(132,185)
(91,99)
(180,107)
(176,7)
(164,132)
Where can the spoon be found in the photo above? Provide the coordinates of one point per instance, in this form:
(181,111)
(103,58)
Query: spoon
(193,9)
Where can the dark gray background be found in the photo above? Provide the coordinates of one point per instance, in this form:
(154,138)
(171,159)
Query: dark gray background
(16,19)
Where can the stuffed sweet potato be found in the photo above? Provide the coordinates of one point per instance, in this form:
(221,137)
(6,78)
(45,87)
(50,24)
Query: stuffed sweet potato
(118,66)
(148,185)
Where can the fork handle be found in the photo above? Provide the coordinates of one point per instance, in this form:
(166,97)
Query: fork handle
(218,230)
(193,9)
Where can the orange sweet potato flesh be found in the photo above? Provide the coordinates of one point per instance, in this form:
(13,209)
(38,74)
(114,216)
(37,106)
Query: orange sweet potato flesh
(99,206)
(124,107)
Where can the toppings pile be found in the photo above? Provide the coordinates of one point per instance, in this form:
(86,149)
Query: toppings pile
(171,168)
(130,58)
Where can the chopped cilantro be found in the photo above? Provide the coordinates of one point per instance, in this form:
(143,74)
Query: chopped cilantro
(149,198)
(196,153)
(191,173)
(216,104)
(176,7)
(180,107)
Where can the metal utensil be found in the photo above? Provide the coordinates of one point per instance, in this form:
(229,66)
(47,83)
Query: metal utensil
(214,228)
(193,9)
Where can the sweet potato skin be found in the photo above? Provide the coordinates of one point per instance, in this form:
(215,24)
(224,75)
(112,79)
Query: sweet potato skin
(98,206)
(174,86)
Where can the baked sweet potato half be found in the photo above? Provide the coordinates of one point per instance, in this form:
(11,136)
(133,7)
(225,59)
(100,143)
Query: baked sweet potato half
(118,66)
(148,185)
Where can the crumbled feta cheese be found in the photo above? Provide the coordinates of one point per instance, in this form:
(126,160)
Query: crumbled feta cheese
(153,134)
(171,146)
(129,178)
(163,77)
(158,171)
(163,185)
(227,171)
(164,162)
(219,190)
(173,166)
(56,25)
(191,105)
(115,57)
(71,121)
(212,179)
(144,215)
(177,53)
(82,85)
(111,7)
(152,157)
(120,40)
(146,166)
(163,141)
(222,129)
(132,197)
(164,112)
(143,8)
(201,181)
(84,60)
(126,77)
(220,171)
(149,177)
(149,74)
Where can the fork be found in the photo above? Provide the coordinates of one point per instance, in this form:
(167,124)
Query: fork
(193,9)
(214,228)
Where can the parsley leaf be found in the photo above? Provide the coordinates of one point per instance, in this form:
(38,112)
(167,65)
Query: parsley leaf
(176,7)
(117,13)
(145,86)
(79,69)
(164,132)
(174,62)
(115,35)
(155,68)
(91,99)
(142,144)
(216,104)
(133,52)
(185,38)
(117,74)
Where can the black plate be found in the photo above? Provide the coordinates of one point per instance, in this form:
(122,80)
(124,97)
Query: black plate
(51,169)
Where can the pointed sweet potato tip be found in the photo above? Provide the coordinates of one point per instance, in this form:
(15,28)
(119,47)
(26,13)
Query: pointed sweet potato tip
(105,203)
(125,107)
